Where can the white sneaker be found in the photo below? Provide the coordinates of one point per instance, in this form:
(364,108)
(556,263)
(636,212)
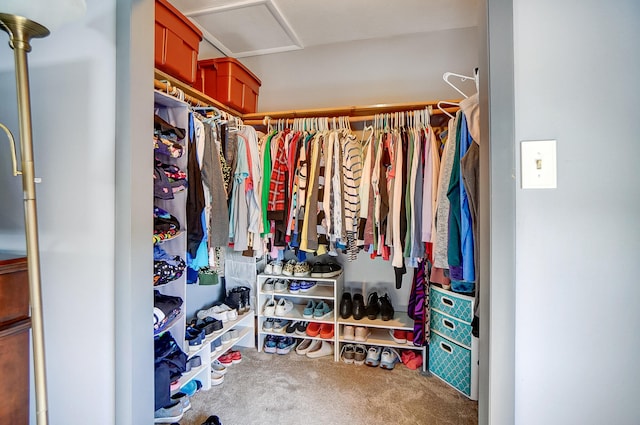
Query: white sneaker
(305,345)
(216,312)
(277,267)
(348,333)
(325,349)
(218,367)
(270,307)
(268,286)
(216,378)
(362,334)
(284,306)
(280,286)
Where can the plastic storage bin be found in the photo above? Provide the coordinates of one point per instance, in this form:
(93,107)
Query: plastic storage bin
(230,82)
(177,42)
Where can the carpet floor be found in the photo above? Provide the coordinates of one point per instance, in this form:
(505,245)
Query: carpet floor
(295,390)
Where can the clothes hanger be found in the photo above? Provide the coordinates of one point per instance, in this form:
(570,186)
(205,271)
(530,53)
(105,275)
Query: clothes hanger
(463,78)
(445,102)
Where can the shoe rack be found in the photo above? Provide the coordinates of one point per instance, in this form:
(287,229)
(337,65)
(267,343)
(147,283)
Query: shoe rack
(330,290)
(379,329)
(325,290)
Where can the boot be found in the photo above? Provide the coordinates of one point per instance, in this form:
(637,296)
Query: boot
(245,295)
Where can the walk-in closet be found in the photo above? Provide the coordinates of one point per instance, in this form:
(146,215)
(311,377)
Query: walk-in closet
(315,241)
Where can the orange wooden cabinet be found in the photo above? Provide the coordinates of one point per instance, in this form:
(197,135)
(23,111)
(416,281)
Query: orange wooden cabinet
(177,43)
(230,82)
(14,340)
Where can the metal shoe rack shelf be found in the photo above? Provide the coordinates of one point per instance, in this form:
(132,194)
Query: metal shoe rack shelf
(330,290)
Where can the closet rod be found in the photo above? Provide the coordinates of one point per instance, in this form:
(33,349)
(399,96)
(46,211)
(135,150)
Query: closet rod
(353,119)
(165,83)
(350,111)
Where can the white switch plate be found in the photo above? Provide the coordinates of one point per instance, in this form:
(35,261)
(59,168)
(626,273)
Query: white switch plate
(538,164)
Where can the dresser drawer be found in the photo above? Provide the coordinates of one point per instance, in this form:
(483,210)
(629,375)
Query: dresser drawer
(452,304)
(451,328)
(451,363)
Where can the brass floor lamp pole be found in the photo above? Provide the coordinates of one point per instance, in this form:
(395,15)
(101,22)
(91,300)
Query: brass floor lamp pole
(21,31)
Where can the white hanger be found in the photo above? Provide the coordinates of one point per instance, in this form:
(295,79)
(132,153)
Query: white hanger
(446,76)
(442,102)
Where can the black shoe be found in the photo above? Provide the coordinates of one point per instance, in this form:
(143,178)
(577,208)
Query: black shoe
(346,305)
(386,309)
(373,306)
(212,420)
(358,307)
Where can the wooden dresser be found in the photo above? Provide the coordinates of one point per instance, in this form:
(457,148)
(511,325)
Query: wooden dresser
(14,339)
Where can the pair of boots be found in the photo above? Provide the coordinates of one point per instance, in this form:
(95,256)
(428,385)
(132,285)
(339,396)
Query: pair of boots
(239,299)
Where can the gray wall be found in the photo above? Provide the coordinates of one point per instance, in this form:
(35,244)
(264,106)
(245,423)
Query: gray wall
(73,100)
(577,246)
(394,70)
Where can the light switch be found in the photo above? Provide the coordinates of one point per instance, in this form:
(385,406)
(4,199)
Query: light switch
(538,164)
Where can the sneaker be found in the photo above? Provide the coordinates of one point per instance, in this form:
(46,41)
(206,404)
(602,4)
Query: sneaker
(291,328)
(326,330)
(373,306)
(307,285)
(267,325)
(216,345)
(389,358)
(277,267)
(225,338)
(294,287)
(308,310)
(361,333)
(333,270)
(226,359)
(216,378)
(270,344)
(191,387)
(283,307)
(373,356)
(398,335)
(319,269)
(285,345)
(280,286)
(325,349)
(386,309)
(359,354)
(234,335)
(304,346)
(268,269)
(348,333)
(347,353)
(268,286)
(301,269)
(212,420)
(215,312)
(218,367)
(236,356)
(301,328)
(168,414)
(183,399)
(410,338)
(322,310)
(279,325)
(313,329)
(411,359)
(270,307)
(194,337)
(288,268)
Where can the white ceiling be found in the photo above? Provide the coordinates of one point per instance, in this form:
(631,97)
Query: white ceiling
(241,28)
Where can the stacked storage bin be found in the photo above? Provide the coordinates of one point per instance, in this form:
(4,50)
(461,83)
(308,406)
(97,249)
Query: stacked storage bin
(453,351)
